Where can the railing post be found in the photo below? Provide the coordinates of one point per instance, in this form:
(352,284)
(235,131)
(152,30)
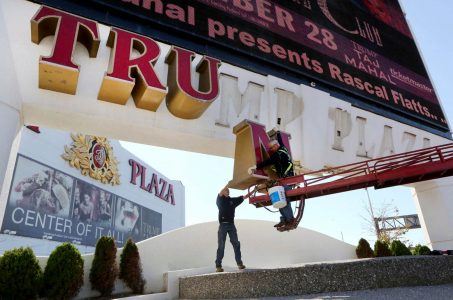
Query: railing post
(439,152)
(303,180)
(368,168)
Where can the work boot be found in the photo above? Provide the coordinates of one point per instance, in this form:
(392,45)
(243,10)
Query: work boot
(292,224)
(282,228)
(241,266)
(219,269)
(279,224)
(288,225)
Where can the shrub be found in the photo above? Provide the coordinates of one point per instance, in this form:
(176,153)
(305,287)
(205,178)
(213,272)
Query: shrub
(421,250)
(104,270)
(63,275)
(381,249)
(130,268)
(363,250)
(20,274)
(399,249)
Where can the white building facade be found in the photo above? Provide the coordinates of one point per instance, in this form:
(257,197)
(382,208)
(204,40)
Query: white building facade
(51,201)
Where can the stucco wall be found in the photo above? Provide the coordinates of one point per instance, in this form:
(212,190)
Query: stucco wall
(195,247)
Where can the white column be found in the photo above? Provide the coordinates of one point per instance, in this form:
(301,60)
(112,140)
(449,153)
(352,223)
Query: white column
(9,128)
(434,202)
(10,111)
(10,124)
(10,100)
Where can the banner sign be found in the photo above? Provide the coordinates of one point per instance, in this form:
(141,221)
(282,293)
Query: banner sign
(47,204)
(362,47)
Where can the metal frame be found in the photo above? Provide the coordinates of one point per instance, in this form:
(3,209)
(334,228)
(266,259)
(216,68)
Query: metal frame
(397,223)
(414,166)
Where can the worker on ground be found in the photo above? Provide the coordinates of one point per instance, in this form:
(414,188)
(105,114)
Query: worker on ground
(281,163)
(227,206)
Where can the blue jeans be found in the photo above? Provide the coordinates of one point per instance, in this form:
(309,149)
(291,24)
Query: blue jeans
(287,211)
(230,229)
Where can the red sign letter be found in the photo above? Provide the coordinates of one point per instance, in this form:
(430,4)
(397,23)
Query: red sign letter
(183,100)
(134,76)
(58,72)
(136,171)
(261,140)
(251,148)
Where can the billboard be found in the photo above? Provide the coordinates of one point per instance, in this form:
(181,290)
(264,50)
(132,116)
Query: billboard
(360,48)
(48,204)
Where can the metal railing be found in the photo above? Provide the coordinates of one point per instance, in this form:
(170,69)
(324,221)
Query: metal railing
(369,170)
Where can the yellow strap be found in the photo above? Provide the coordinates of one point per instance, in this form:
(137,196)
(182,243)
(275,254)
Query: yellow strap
(289,167)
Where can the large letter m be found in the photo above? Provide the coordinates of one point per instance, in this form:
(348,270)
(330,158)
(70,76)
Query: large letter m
(251,148)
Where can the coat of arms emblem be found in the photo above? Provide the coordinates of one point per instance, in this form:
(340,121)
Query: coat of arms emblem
(93,156)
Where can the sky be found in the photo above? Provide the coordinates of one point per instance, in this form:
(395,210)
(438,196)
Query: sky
(341,216)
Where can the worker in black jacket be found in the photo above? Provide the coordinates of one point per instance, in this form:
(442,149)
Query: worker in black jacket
(227,206)
(281,163)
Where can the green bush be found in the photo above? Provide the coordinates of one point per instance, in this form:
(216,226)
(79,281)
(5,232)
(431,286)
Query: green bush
(381,249)
(363,249)
(421,250)
(104,270)
(130,268)
(63,275)
(399,249)
(20,274)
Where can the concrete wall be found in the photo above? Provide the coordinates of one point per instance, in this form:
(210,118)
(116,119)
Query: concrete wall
(363,274)
(195,247)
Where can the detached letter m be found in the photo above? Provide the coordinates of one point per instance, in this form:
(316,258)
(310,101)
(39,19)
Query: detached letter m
(251,148)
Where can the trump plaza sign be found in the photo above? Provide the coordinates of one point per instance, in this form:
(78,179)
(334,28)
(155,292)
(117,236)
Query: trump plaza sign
(128,74)
(361,51)
(348,47)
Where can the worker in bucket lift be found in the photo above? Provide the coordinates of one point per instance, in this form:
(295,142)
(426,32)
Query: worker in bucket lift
(227,206)
(281,163)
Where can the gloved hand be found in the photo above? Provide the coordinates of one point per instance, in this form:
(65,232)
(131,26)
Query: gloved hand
(252,170)
(248,195)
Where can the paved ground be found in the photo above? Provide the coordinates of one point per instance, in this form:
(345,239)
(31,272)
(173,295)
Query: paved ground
(439,292)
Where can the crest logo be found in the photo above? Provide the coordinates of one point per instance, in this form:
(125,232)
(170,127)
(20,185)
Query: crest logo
(93,156)
(99,156)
